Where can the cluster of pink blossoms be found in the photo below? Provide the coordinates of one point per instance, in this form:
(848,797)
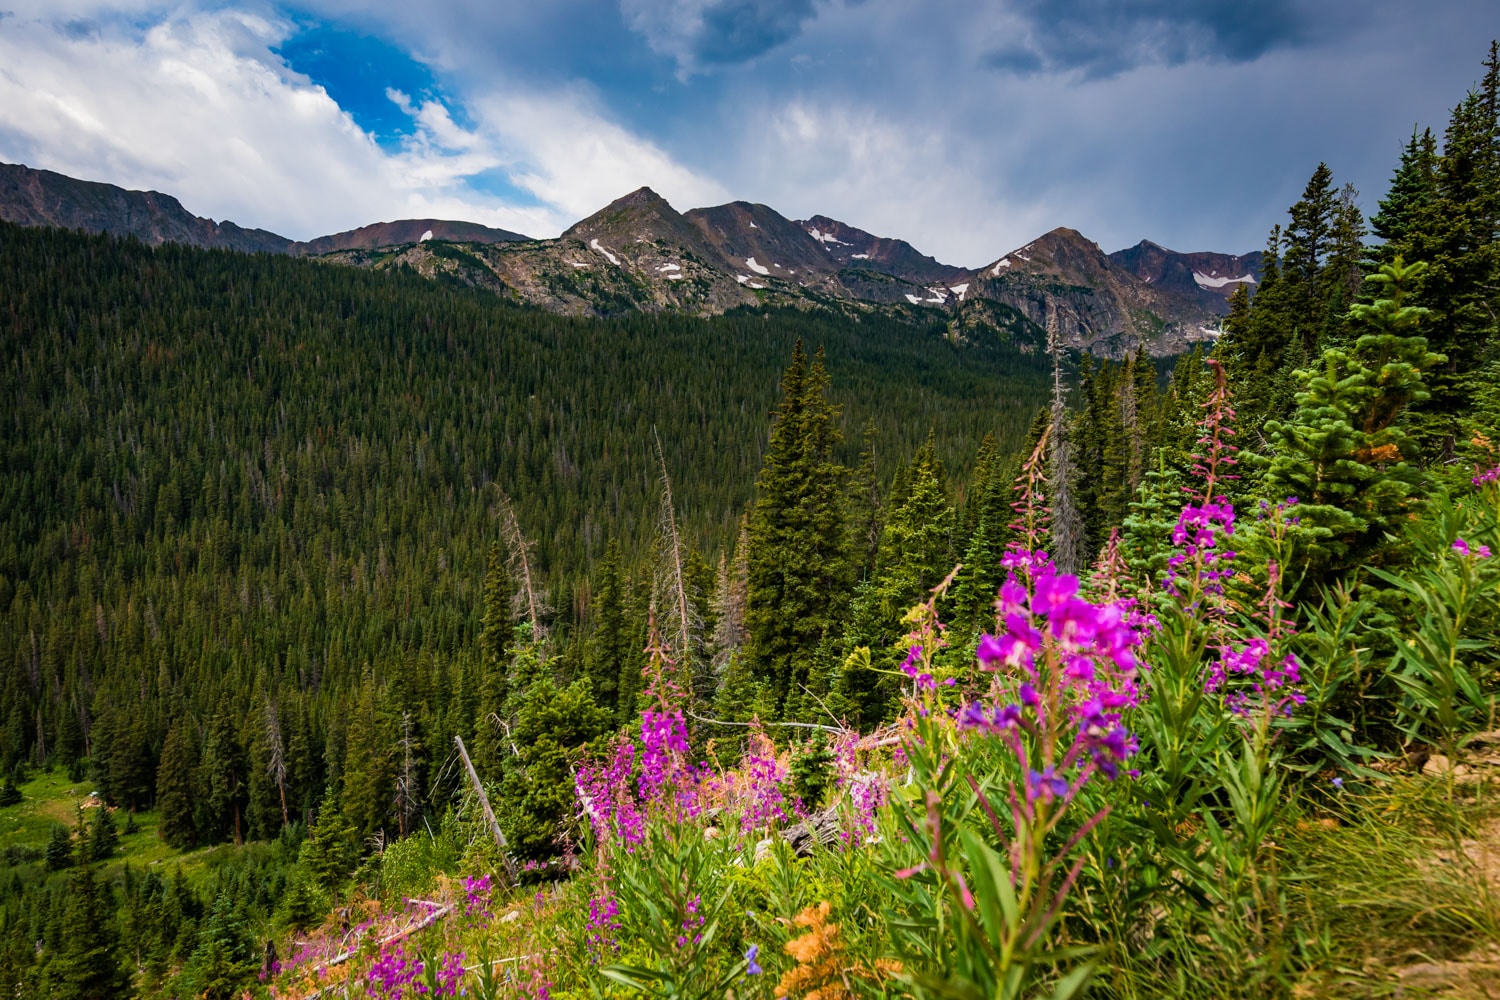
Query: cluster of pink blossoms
(1464,549)
(1487,477)
(1076,658)
(394,976)
(609,804)
(1271,686)
(604,922)
(765,803)
(604,792)
(1199,533)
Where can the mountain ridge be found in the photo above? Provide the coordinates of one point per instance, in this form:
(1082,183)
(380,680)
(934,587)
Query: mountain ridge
(639,253)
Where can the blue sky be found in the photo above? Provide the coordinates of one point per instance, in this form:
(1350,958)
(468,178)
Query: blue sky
(966,128)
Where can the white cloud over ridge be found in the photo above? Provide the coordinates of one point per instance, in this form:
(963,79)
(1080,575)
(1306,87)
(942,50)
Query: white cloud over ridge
(200,107)
(918,121)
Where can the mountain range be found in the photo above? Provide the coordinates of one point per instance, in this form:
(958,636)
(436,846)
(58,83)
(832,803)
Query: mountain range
(640,254)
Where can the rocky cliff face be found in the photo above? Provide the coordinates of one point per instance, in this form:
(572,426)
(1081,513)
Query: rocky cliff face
(1209,278)
(857,249)
(1095,302)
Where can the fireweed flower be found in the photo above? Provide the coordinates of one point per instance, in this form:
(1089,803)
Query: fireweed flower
(1487,477)
(477,897)
(1200,557)
(450,973)
(912,667)
(608,802)
(603,922)
(1466,550)
(764,775)
(1266,685)
(1045,785)
(393,976)
(1073,666)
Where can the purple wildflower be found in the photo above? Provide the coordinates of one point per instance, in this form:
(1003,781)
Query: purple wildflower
(751,967)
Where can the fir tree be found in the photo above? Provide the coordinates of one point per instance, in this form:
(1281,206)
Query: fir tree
(536,790)
(609,646)
(222,776)
(103,834)
(86,967)
(59,852)
(369,764)
(1343,453)
(799,567)
(1413,189)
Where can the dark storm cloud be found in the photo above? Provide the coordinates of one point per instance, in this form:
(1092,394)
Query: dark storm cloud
(737,30)
(80,29)
(1102,38)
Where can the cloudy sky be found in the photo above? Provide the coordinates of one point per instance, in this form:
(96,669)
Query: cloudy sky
(966,127)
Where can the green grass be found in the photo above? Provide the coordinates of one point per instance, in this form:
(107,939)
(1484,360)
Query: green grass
(49,798)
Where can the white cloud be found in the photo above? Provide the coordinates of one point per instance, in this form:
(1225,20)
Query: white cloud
(200,107)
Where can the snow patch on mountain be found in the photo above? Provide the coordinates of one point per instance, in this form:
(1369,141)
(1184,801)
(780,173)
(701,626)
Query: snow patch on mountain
(757,268)
(1209,281)
(959,290)
(825,238)
(594,243)
(425,236)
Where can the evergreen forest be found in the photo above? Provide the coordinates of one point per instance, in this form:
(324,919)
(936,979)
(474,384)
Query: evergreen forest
(364,635)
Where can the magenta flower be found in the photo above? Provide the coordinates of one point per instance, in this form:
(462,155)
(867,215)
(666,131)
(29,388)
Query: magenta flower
(1045,785)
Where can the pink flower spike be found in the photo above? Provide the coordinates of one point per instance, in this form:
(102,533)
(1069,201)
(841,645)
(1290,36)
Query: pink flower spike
(1460,546)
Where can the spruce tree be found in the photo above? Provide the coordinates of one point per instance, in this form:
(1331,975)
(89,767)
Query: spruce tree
(1344,454)
(86,967)
(103,834)
(222,776)
(59,852)
(799,568)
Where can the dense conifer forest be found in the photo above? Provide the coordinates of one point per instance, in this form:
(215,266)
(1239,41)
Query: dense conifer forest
(796,654)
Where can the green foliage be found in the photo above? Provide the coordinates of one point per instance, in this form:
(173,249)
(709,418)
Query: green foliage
(799,559)
(551,726)
(1446,661)
(1341,453)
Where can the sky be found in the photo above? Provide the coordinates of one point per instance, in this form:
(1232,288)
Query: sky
(967,128)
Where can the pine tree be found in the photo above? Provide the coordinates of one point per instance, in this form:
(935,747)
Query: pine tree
(1413,189)
(331,848)
(1457,234)
(222,777)
(799,568)
(1343,453)
(224,961)
(609,645)
(86,967)
(495,628)
(103,834)
(369,764)
(59,852)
